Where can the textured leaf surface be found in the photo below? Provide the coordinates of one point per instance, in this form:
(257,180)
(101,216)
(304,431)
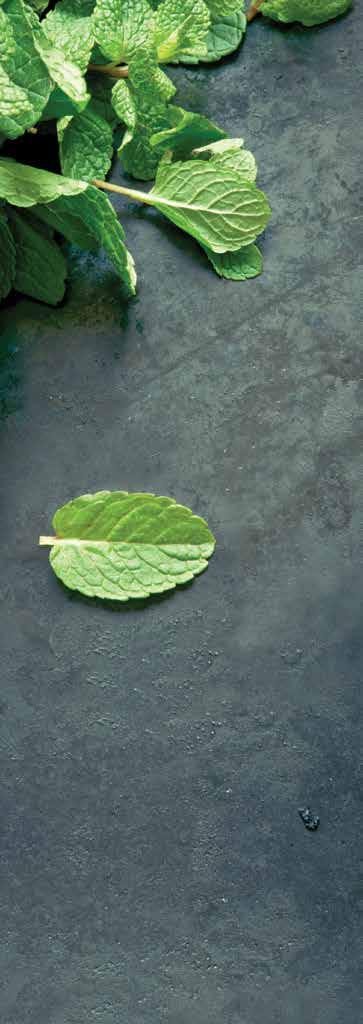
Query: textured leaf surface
(189,130)
(85,145)
(63,72)
(21,63)
(21,185)
(138,156)
(41,269)
(121,27)
(214,204)
(72,31)
(181,29)
(308,12)
(236,266)
(230,153)
(118,545)
(223,8)
(225,35)
(124,104)
(89,220)
(7,256)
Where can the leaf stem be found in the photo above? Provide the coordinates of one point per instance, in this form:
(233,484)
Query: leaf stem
(112,70)
(253,9)
(131,193)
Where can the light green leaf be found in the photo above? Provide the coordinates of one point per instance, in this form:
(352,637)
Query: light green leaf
(89,220)
(189,130)
(118,546)
(181,29)
(236,266)
(21,185)
(230,153)
(124,104)
(122,27)
(40,265)
(224,8)
(85,145)
(163,84)
(25,71)
(7,256)
(64,73)
(214,204)
(14,106)
(308,12)
(224,36)
(71,31)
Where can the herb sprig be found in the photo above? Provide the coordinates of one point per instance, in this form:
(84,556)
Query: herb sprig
(87,73)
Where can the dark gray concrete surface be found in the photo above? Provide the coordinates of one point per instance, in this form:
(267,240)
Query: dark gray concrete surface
(153,864)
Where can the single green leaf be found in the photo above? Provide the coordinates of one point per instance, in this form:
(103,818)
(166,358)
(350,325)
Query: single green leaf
(7,256)
(23,71)
(189,130)
(21,185)
(64,73)
(14,106)
(236,266)
(118,546)
(68,28)
(124,104)
(224,8)
(181,29)
(122,27)
(214,204)
(85,145)
(224,36)
(308,12)
(89,221)
(41,269)
(230,153)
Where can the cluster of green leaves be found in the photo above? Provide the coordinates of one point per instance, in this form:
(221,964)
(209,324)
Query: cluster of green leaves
(91,73)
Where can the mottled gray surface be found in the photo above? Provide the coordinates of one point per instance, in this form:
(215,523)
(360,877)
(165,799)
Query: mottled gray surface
(153,864)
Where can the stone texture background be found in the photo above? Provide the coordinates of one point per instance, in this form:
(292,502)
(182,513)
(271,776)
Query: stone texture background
(154,867)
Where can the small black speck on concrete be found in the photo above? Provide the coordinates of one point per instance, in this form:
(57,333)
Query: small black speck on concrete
(311,821)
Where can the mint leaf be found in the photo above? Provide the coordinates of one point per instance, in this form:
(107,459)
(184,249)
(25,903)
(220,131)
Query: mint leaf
(224,36)
(230,153)
(138,156)
(15,107)
(118,546)
(189,130)
(85,145)
(124,103)
(40,265)
(308,12)
(224,8)
(64,73)
(21,185)
(214,204)
(22,70)
(76,209)
(68,28)
(122,27)
(7,256)
(236,266)
(181,28)
(87,219)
